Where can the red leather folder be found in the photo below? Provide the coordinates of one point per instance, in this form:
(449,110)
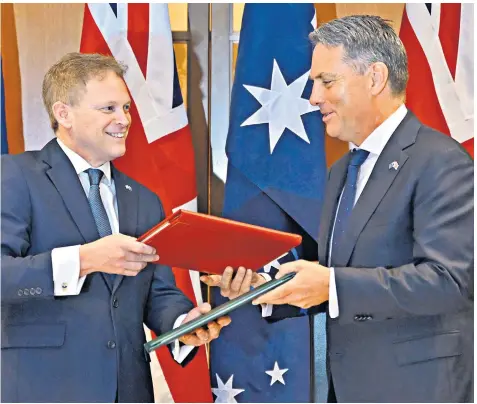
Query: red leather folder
(207,243)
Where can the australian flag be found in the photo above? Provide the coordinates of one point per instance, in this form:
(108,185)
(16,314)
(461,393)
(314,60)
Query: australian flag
(276,178)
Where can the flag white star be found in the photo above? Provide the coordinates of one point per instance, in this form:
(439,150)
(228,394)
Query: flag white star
(276,374)
(282,106)
(224,392)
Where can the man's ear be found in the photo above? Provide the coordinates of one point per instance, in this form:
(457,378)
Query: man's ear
(63,114)
(378,75)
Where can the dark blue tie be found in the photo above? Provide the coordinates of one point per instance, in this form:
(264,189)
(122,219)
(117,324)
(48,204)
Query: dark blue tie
(358,157)
(97,207)
(96,204)
(346,206)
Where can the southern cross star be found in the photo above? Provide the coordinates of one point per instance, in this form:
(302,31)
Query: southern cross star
(276,374)
(224,392)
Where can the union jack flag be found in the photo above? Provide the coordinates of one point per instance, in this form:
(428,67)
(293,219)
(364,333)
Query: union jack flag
(439,40)
(159,146)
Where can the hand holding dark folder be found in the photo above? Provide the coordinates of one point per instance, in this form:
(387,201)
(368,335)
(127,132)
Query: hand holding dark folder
(200,336)
(215,313)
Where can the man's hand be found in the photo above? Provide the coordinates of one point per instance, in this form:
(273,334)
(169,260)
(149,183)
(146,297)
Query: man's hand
(231,286)
(116,254)
(309,287)
(200,336)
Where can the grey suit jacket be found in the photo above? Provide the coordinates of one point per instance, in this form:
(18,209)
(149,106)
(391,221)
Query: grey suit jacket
(404,274)
(84,348)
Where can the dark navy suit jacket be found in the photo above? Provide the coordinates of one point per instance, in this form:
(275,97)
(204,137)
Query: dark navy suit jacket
(84,348)
(404,274)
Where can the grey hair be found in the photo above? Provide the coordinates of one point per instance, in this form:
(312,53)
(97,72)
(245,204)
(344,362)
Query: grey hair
(367,39)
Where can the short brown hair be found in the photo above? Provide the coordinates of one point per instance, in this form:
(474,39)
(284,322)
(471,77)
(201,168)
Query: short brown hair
(66,80)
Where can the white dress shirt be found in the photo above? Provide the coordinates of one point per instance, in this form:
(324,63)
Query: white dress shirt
(66,260)
(375,144)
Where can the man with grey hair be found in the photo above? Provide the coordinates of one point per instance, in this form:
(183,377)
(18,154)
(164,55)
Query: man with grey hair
(395,248)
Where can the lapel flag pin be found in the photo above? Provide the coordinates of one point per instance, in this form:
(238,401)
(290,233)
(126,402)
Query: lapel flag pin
(394,165)
(128,187)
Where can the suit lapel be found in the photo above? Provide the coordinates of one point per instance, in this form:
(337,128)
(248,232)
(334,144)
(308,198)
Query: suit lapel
(378,184)
(334,186)
(128,204)
(63,176)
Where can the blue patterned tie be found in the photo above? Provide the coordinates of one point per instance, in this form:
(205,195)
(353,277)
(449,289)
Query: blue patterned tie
(96,204)
(358,157)
(97,207)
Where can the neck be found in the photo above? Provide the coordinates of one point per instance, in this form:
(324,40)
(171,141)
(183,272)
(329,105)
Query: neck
(380,114)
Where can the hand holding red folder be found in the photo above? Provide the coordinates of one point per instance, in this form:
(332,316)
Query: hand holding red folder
(233,286)
(207,243)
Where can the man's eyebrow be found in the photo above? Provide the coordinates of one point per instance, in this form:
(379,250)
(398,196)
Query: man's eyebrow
(111,102)
(322,75)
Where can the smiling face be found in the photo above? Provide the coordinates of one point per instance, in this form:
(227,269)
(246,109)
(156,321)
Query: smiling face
(342,94)
(96,127)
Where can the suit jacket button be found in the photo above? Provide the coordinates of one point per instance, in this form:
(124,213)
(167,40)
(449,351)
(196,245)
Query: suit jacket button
(32,291)
(26,292)
(20,292)
(111,344)
(39,291)
(115,303)
(357,318)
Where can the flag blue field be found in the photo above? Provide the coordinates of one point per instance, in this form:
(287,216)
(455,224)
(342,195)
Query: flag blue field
(275,178)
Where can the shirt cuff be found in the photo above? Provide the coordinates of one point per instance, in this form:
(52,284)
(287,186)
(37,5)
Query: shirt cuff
(267,309)
(66,270)
(179,353)
(333,308)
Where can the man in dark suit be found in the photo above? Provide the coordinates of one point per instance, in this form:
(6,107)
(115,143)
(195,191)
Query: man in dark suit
(395,248)
(76,285)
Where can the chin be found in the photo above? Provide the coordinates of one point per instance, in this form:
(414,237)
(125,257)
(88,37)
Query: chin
(118,153)
(332,133)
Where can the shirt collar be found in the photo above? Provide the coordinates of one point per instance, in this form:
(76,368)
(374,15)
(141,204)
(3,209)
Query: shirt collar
(379,137)
(80,164)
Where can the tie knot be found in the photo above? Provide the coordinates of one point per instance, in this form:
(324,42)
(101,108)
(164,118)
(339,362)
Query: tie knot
(358,157)
(94,175)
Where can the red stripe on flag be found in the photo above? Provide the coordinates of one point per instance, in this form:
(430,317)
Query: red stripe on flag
(92,40)
(186,384)
(449,31)
(469,146)
(138,32)
(421,97)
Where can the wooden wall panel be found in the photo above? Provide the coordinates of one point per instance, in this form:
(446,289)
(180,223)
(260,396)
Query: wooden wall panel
(389,11)
(45,33)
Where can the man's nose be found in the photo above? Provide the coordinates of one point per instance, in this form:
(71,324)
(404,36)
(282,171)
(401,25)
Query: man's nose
(123,117)
(316,97)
